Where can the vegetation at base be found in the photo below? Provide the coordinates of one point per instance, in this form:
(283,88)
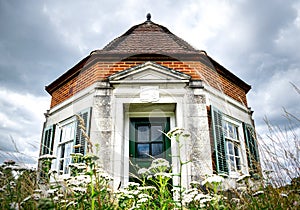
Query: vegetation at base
(89,186)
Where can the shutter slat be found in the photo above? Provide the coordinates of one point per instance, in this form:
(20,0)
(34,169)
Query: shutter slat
(219,141)
(80,139)
(48,141)
(252,148)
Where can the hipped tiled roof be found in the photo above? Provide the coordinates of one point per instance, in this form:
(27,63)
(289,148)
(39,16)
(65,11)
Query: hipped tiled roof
(148,38)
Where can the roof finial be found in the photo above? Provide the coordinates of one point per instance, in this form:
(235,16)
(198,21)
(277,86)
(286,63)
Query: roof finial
(148,17)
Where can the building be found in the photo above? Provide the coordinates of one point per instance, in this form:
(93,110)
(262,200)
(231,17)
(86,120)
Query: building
(146,81)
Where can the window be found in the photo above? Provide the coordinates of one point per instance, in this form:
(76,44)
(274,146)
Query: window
(67,135)
(80,139)
(70,135)
(231,134)
(227,134)
(147,141)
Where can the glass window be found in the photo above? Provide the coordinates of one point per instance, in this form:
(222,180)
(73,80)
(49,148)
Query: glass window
(233,146)
(143,150)
(149,140)
(156,133)
(143,133)
(157,149)
(66,147)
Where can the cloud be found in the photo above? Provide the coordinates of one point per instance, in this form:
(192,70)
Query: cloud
(39,40)
(31,49)
(21,122)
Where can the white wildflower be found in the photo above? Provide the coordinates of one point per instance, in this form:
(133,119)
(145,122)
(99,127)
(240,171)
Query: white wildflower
(159,164)
(283,195)
(195,183)
(71,203)
(47,156)
(51,191)
(60,195)
(205,200)
(25,199)
(36,196)
(149,176)
(55,199)
(37,191)
(79,189)
(14,205)
(201,197)
(77,154)
(63,201)
(213,179)
(258,193)
(242,189)
(188,198)
(142,200)
(245,176)
(106,176)
(143,171)
(79,166)
(235,200)
(133,184)
(143,195)
(91,156)
(147,188)
(162,174)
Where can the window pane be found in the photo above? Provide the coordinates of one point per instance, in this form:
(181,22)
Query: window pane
(231,131)
(143,150)
(62,151)
(230,148)
(236,150)
(156,134)
(238,163)
(66,165)
(143,133)
(232,165)
(225,129)
(68,149)
(61,165)
(157,149)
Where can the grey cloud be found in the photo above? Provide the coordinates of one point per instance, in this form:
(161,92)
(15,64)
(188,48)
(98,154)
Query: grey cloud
(39,40)
(31,51)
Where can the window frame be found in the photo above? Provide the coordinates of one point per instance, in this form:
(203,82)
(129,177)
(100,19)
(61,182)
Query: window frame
(220,147)
(62,144)
(236,144)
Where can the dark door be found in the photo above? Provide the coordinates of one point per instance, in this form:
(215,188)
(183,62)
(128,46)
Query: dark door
(148,142)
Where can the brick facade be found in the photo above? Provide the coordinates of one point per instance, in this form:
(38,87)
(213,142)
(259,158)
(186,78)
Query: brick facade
(101,70)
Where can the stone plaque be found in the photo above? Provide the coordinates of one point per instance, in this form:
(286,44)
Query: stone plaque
(149,94)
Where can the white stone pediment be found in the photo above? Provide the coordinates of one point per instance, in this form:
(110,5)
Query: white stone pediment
(149,72)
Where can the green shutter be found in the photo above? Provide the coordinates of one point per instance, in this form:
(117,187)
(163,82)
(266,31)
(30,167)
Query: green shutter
(48,140)
(80,139)
(251,148)
(219,141)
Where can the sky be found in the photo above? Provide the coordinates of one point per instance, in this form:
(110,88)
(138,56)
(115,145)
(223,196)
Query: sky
(39,40)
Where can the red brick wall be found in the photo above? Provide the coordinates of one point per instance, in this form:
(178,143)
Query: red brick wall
(101,70)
